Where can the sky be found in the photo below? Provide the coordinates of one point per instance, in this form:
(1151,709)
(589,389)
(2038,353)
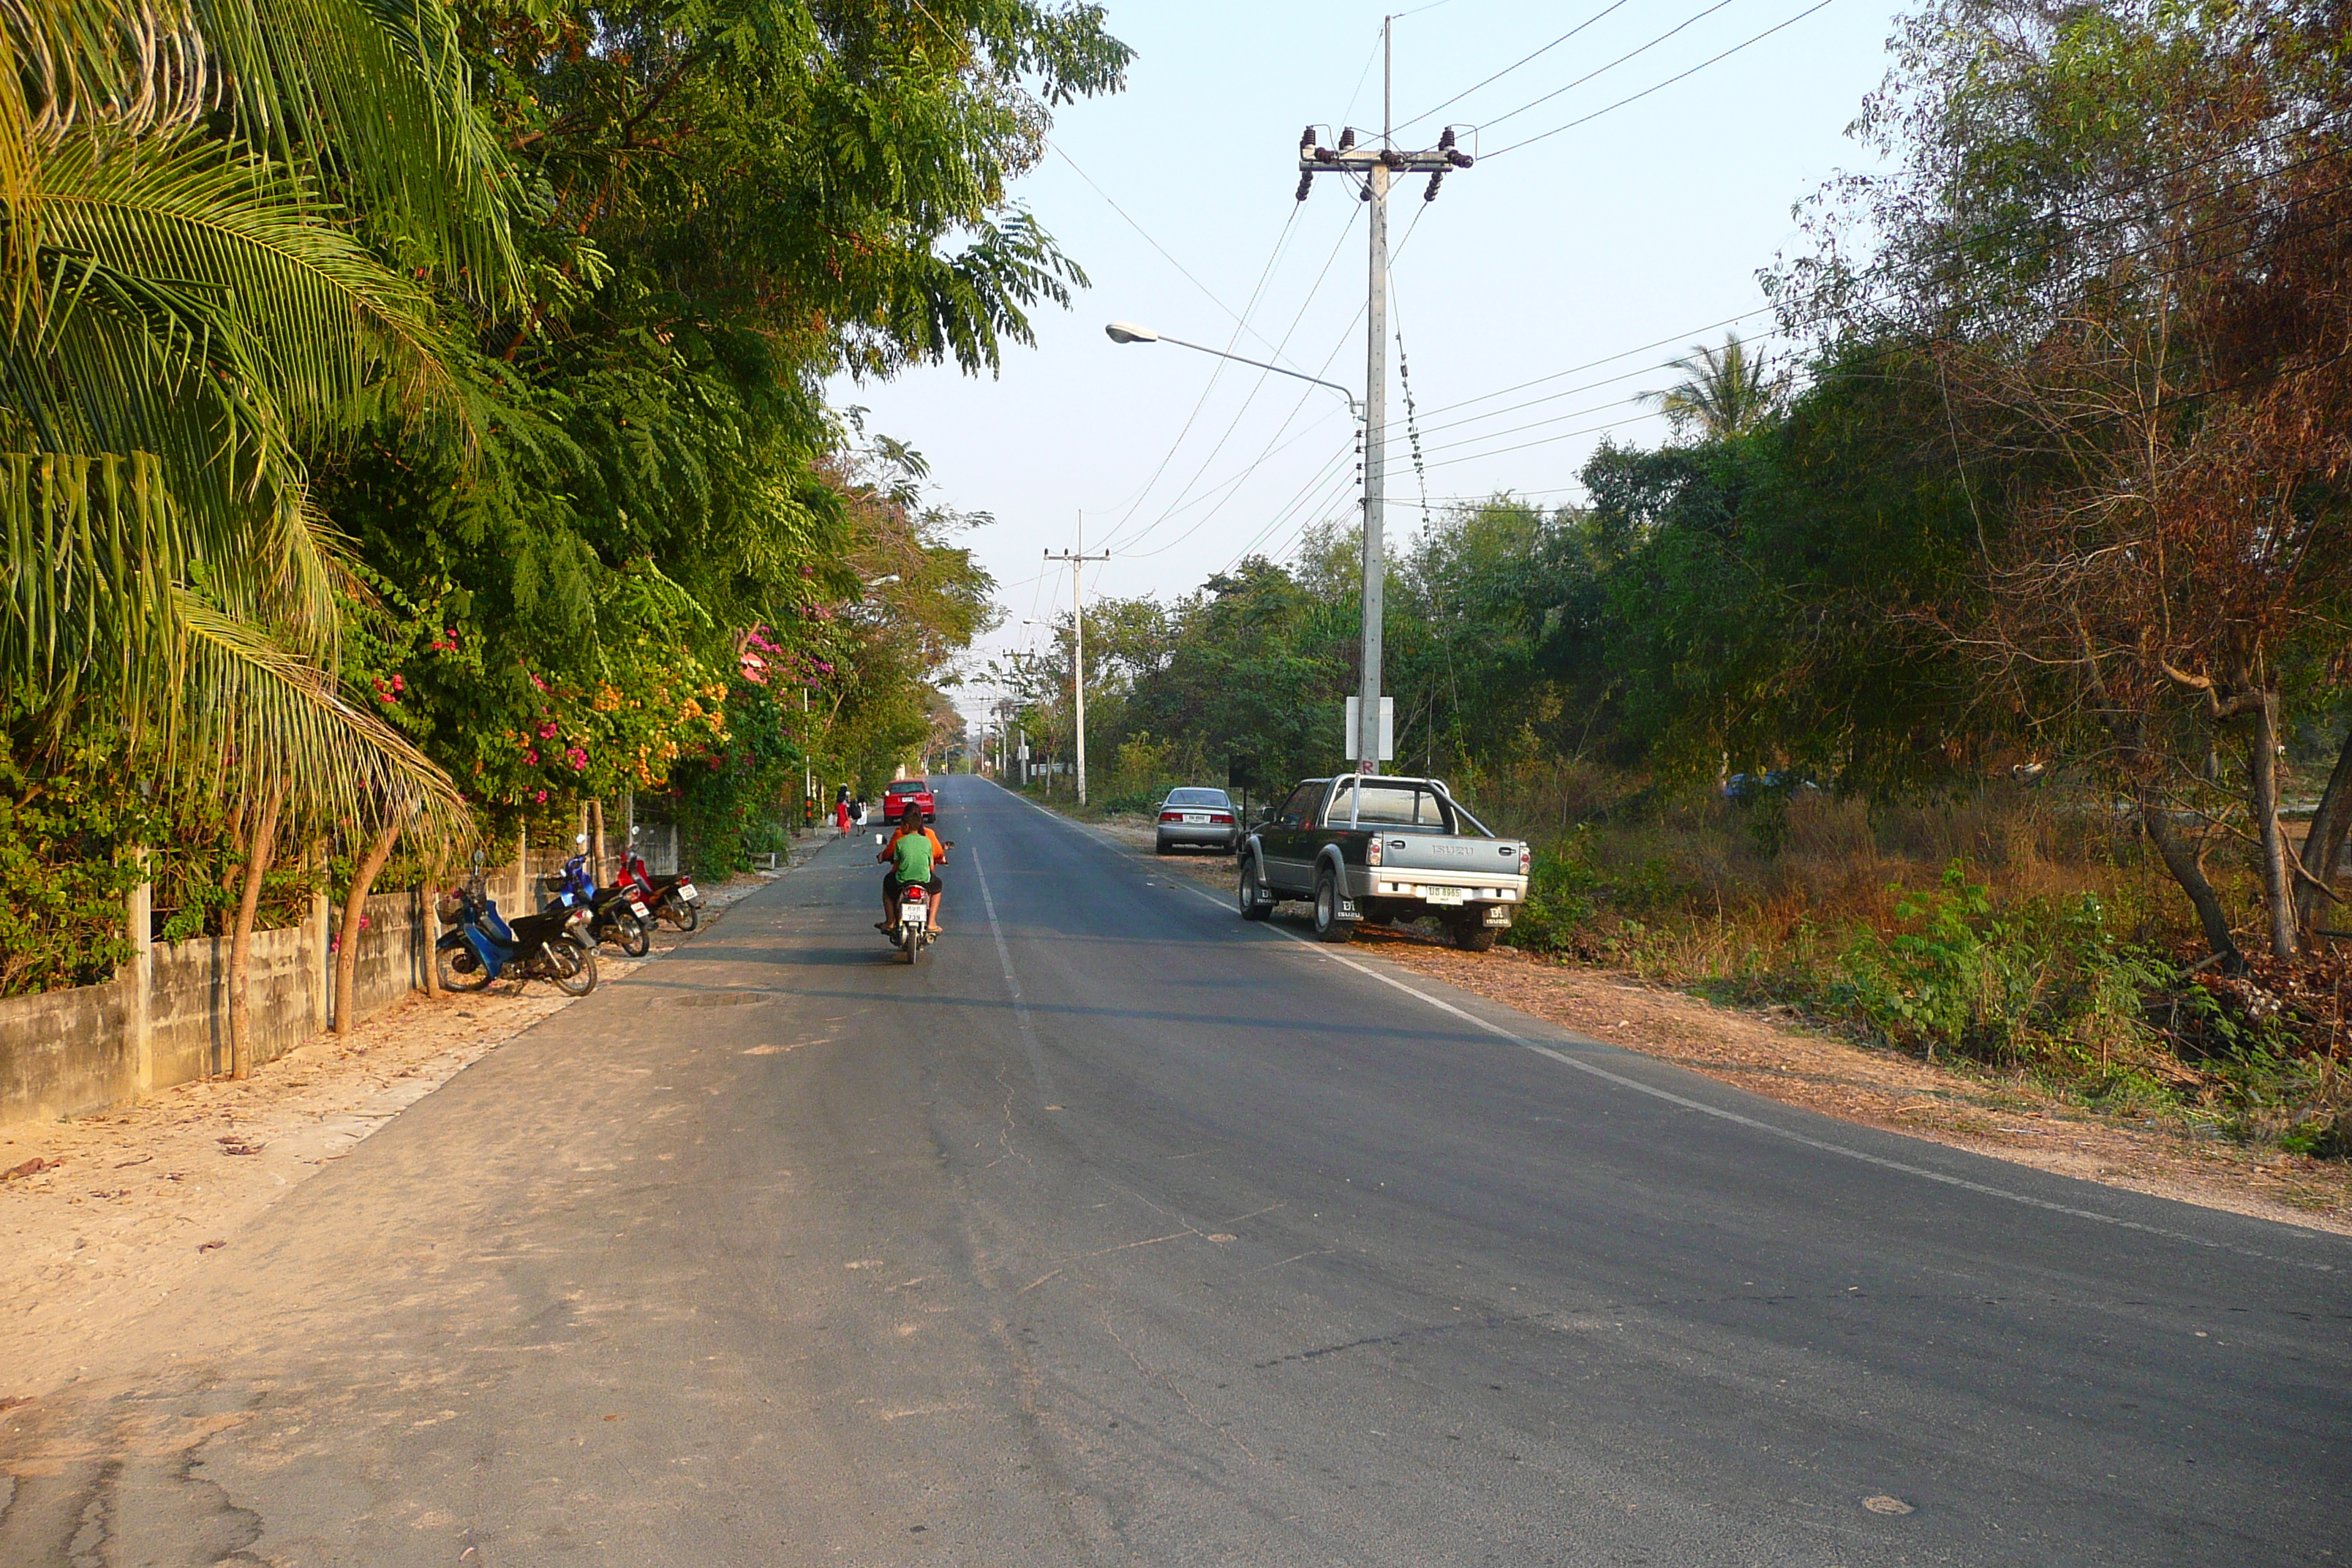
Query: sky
(1581,260)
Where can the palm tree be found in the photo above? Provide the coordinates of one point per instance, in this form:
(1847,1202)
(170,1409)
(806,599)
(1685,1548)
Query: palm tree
(1727,392)
(189,189)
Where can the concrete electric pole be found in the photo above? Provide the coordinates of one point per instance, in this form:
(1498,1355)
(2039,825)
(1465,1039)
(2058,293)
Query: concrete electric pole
(1078,559)
(1375,166)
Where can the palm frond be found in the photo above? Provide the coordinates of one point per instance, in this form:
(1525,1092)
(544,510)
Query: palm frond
(98,613)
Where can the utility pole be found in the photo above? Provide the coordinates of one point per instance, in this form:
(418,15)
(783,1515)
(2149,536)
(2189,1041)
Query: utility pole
(1078,559)
(1375,166)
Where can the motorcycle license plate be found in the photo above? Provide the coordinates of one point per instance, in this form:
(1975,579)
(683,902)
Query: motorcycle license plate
(686,890)
(638,908)
(915,914)
(1196,816)
(1444,895)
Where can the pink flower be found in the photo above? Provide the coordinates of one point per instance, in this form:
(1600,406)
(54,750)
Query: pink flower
(538,684)
(540,798)
(577,758)
(398,684)
(547,731)
(531,757)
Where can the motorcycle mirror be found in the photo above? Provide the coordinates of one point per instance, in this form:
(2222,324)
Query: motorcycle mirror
(877,838)
(477,860)
(946,843)
(581,839)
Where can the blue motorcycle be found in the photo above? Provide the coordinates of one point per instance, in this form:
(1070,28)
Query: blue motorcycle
(615,914)
(482,944)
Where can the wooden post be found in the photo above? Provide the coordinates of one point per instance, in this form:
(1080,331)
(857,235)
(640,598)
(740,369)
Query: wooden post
(596,842)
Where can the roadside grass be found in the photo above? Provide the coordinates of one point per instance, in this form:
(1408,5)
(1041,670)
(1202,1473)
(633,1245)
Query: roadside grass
(2021,936)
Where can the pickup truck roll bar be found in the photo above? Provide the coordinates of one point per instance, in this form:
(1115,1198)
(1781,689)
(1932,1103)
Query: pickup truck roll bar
(1355,817)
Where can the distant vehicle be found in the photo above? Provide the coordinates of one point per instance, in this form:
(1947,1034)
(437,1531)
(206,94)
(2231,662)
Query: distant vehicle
(1780,781)
(1378,848)
(1195,818)
(901,792)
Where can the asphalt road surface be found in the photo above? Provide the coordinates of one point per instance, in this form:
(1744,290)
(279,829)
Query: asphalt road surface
(1118,1231)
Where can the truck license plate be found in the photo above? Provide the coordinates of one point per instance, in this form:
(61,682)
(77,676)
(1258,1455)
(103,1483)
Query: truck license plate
(1444,895)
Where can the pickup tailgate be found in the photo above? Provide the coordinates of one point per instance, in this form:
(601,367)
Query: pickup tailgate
(1419,864)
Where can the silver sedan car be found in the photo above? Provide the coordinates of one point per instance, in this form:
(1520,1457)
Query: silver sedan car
(1198,819)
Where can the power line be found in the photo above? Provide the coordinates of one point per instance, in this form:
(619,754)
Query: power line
(1288,222)
(1637,97)
(1126,543)
(1523,59)
(1601,70)
(1166,254)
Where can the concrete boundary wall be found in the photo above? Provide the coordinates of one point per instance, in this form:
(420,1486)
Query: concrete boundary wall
(163,1019)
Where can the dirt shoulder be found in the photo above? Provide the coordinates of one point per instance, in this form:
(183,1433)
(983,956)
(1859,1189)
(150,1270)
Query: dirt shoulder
(128,1205)
(1775,1054)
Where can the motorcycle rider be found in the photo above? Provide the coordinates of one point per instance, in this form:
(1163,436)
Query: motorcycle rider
(914,855)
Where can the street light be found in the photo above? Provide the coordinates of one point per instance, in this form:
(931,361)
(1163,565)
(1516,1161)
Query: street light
(1128,332)
(1366,746)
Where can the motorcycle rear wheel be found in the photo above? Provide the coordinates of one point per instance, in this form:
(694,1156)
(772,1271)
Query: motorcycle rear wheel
(913,946)
(570,966)
(681,914)
(451,978)
(635,937)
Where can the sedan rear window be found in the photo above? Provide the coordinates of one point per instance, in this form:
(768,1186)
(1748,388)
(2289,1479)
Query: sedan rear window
(1198,797)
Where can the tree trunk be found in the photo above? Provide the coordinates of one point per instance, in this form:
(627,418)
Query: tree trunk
(2278,886)
(596,842)
(2323,847)
(347,948)
(240,945)
(2182,861)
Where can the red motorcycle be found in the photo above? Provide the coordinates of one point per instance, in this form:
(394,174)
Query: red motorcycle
(672,898)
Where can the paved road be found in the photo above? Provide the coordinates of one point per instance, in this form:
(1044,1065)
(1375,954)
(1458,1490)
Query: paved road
(1119,1232)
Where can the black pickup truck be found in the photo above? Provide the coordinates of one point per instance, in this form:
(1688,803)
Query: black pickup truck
(1378,848)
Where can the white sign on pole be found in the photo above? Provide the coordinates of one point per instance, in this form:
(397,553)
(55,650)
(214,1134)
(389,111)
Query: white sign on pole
(1387,729)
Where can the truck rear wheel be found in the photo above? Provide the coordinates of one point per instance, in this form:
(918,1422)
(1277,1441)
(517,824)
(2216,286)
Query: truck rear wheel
(1328,926)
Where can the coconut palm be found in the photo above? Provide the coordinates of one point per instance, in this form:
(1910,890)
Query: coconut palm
(1727,392)
(196,195)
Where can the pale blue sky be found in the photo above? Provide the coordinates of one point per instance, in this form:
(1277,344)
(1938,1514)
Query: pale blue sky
(1646,224)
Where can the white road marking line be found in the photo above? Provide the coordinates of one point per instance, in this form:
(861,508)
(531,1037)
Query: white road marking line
(1037,1069)
(1323,949)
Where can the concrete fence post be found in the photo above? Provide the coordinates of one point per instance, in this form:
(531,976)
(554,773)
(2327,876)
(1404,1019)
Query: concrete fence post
(319,960)
(139,922)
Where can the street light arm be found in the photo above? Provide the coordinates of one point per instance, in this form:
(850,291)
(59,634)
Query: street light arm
(1354,407)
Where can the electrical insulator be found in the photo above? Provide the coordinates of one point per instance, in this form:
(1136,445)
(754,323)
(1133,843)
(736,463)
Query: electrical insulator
(1306,140)
(1429,191)
(1444,140)
(1346,137)
(1305,183)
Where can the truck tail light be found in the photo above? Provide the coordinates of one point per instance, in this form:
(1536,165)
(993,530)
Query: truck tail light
(1372,851)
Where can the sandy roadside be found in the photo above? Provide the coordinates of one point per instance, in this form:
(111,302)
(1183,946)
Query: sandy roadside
(1775,1055)
(132,1204)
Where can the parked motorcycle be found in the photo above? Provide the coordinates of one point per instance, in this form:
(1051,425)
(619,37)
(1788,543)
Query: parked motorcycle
(482,944)
(672,898)
(615,914)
